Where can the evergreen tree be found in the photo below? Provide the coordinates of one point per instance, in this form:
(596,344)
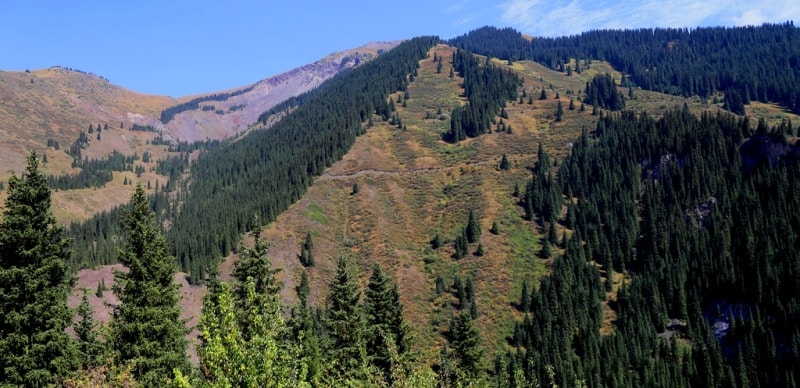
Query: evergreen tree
(387,333)
(147,332)
(306,331)
(34,285)
(254,265)
(465,344)
(479,251)
(546,251)
(436,241)
(306,252)
(90,349)
(101,288)
(525,298)
(345,321)
(559,112)
(461,244)
(440,287)
(473,228)
(504,164)
(461,293)
(495,230)
(303,289)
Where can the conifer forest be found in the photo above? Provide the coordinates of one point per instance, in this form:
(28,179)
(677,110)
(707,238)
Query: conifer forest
(684,224)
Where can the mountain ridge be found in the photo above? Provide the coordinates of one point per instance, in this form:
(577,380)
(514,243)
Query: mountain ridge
(59,103)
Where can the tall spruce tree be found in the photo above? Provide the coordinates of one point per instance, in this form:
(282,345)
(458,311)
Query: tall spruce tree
(387,333)
(465,345)
(345,321)
(254,265)
(34,284)
(473,228)
(147,331)
(90,349)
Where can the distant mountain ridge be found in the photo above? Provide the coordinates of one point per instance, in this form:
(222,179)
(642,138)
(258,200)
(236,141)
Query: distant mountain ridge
(220,119)
(59,103)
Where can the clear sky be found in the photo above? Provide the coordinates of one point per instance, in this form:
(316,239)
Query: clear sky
(179,47)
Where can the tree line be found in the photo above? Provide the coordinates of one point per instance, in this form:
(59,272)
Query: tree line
(487,89)
(737,61)
(168,114)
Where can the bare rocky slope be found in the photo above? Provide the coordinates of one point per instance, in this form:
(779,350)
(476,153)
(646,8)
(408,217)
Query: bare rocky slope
(220,119)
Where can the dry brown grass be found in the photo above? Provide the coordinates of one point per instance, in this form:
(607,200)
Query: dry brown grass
(413,185)
(57,104)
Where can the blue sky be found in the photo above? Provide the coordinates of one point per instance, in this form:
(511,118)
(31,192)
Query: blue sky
(181,47)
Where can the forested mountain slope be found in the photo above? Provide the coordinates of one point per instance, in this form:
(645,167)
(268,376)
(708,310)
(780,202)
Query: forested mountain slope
(435,217)
(746,63)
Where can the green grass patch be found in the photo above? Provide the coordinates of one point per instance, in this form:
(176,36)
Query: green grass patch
(316,213)
(524,247)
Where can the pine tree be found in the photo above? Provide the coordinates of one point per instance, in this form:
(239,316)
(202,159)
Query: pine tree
(436,241)
(525,298)
(387,336)
(473,228)
(254,265)
(504,164)
(147,331)
(306,252)
(34,285)
(461,293)
(345,321)
(546,251)
(465,344)
(479,251)
(303,290)
(559,112)
(440,287)
(495,230)
(90,349)
(461,244)
(101,288)
(305,332)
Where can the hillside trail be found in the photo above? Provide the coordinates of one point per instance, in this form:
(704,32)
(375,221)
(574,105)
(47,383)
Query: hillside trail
(375,172)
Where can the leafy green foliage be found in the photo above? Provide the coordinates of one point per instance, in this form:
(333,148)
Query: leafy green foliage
(231,357)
